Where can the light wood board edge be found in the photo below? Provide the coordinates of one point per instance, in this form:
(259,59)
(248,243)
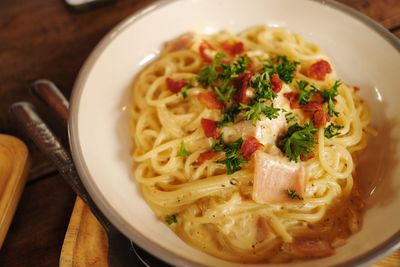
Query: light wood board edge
(85,242)
(14,166)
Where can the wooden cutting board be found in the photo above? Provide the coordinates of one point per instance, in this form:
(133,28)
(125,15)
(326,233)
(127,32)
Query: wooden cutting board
(85,242)
(14,165)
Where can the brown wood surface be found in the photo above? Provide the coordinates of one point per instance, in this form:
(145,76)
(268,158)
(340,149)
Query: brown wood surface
(44,39)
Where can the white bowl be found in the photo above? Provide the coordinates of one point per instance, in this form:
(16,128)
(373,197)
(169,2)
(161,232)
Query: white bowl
(363,54)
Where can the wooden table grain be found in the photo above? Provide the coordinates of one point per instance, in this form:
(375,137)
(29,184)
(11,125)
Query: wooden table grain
(45,39)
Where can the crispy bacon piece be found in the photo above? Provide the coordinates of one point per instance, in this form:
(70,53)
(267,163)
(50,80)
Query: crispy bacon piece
(233,47)
(209,100)
(312,106)
(293,99)
(182,42)
(250,66)
(204,50)
(276,83)
(310,156)
(319,70)
(317,98)
(175,85)
(356,89)
(242,83)
(310,248)
(320,118)
(250,145)
(209,128)
(205,156)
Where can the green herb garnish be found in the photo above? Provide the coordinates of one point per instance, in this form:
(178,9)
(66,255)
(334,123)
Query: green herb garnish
(294,195)
(218,144)
(284,67)
(329,96)
(298,141)
(233,70)
(332,130)
(229,115)
(262,85)
(170,219)
(233,155)
(254,112)
(182,152)
(185,90)
(225,93)
(305,95)
(209,74)
(290,117)
(220,76)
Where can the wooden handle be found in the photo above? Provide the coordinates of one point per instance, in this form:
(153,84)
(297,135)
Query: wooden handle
(45,140)
(52,96)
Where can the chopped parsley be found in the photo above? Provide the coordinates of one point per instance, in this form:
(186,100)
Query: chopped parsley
(218,144)
(284,67)
(209,74)
(293,194)
(229,115)
(254,112)
(290,117)
(226,92)
(263,87)
(329,96)
(182,152)
(298,141)
(233,70)
(233,155)
(185,90)
(332,130)
(305,95)
(220,76)
(170,219)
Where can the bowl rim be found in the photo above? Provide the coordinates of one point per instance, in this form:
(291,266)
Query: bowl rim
(364,259)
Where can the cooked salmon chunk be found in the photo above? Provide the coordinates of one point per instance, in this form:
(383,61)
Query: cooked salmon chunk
(274,176)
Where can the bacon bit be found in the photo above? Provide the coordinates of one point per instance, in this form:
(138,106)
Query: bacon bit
(293,99)
(209,100)
(312,106)
(233,47)
(209,128)
(320,118)
(319,69)
(317,98)
(184,41)
(205,156)
(310,156)
(242,82)
(175,86)
(356,89)
(250,145)
(204,49)
(276,83)
(250,66)
(310,248)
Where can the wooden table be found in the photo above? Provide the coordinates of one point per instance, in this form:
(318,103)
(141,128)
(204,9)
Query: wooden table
(44,39)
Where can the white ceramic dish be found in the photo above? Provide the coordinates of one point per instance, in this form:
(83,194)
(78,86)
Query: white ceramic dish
(363,54)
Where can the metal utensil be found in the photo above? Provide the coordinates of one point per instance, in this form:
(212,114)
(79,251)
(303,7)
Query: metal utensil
(122,252)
